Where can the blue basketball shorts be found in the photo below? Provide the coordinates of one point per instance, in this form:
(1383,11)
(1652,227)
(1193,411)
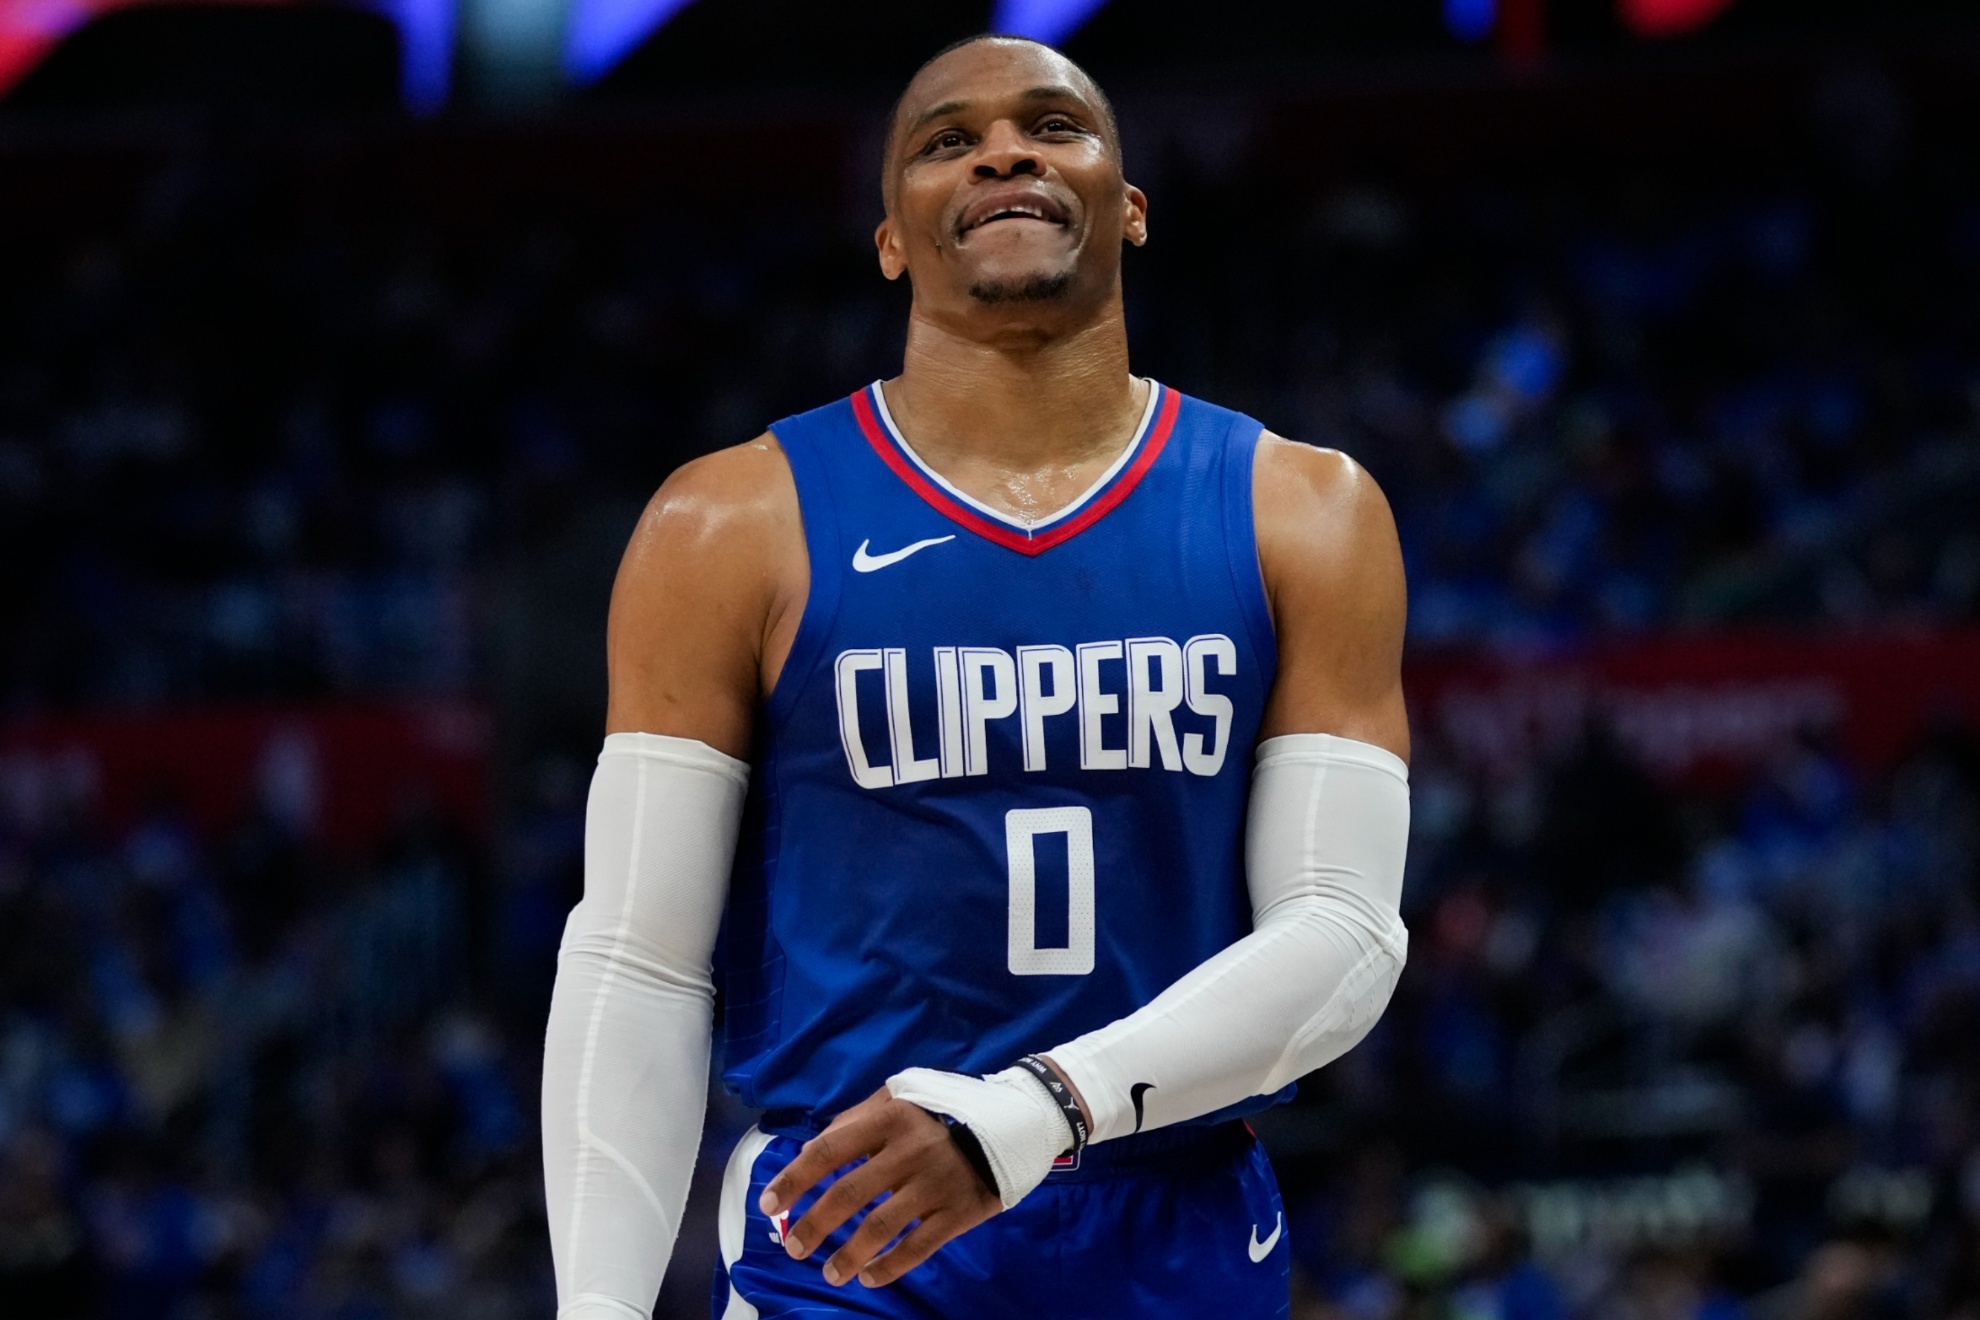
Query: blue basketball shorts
(1182,1222)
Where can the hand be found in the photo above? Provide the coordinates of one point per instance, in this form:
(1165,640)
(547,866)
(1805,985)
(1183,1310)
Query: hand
(909,1154)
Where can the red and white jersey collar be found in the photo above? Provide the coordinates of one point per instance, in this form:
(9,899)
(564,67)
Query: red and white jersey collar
(1158,418)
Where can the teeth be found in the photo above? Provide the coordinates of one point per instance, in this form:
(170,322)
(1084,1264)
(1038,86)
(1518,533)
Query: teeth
(1034,212)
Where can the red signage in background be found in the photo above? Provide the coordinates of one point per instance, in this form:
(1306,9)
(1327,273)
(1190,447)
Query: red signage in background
(1691,707)
(1698,706)
(1669,18)
(344,774)
(29,29)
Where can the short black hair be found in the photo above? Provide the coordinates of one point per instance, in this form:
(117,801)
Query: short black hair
(894,112)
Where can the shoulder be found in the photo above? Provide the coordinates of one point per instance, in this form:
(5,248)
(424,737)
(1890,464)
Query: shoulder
(1333,575)
(723,502)
(707,598)
(1316,505)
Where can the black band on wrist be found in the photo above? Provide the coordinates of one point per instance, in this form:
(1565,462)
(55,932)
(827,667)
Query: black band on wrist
(1062,1095)
(972,1150)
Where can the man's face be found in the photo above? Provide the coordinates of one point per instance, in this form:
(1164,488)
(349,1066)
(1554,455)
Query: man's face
(1006,183)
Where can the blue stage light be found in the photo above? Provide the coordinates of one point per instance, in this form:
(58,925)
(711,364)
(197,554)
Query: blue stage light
(603,32)
(1050,21)
(426,49)
(1470,20)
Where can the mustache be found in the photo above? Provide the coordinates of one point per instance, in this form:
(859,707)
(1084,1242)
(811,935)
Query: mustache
(1028,289)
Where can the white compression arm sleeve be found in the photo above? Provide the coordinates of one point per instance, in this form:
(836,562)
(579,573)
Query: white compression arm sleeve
(1324,848)
(625,1060)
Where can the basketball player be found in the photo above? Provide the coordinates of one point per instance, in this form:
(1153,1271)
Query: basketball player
(1035,736)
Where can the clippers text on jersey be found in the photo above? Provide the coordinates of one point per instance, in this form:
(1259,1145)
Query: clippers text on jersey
(1136,703)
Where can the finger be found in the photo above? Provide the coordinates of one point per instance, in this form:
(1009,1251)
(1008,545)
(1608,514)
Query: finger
(853,1192)
(832,1149)
(798,1176)
(865,1107)
(922,1241)
(883,1223)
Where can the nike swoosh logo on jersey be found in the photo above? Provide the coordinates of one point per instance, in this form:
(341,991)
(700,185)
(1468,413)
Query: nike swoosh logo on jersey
(1135,1093)
(1260,1250)
(865,563)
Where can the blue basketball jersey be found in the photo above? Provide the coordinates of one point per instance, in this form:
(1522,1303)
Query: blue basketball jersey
(999,790)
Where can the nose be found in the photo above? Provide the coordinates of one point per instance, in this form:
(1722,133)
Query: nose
(1004,153)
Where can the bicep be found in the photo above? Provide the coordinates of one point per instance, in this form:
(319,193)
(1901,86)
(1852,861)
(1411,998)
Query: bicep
(700,600)
(1334,575)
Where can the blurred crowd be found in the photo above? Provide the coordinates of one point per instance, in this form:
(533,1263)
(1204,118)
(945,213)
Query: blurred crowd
(242,1076)
(1666,1053)
(270,419)
(279,423)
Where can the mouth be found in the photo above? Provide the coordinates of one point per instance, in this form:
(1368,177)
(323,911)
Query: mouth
(1031,208)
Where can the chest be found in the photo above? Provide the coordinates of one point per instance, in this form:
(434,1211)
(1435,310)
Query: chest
(1130,638)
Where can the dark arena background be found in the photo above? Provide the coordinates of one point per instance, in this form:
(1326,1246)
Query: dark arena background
(340,346)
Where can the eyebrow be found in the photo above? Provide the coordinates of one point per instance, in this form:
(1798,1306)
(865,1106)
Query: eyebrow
(1049,92)
(946,108)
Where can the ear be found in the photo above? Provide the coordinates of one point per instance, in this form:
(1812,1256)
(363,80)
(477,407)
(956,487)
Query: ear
(1135,224)
(893,261)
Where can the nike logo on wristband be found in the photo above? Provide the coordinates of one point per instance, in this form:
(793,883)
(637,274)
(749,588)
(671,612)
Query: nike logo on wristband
(1134,1094)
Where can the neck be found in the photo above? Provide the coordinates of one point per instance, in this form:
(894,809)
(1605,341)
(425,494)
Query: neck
(1032,396)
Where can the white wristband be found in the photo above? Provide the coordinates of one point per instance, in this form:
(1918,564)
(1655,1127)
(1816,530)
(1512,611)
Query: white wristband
(1019,1126)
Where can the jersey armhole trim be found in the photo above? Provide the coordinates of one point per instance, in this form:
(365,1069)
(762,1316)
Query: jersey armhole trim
(821,545)
(1241,447)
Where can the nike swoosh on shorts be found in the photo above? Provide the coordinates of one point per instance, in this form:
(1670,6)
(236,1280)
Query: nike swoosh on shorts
(1260,1250)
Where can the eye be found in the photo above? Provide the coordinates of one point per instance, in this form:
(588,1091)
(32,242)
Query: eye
(1060,124)
(946,140)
